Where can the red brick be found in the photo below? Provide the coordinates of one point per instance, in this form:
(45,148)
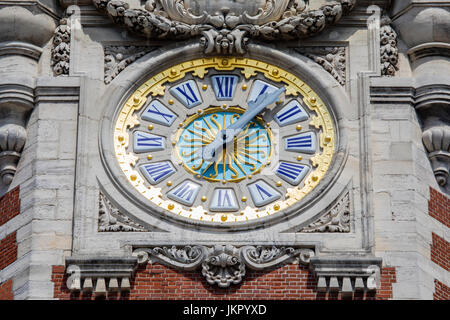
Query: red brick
(6,292)
(440,252)
(441,292)
(9,205)
(8,250)
(439,207)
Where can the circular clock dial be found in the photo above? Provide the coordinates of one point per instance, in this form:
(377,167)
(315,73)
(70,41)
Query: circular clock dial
(268,166)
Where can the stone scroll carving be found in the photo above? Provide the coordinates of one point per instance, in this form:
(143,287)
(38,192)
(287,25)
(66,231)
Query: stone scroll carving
(110,219)
(117,58)
(337,219)
(332,59)
(223,265)
(224,31)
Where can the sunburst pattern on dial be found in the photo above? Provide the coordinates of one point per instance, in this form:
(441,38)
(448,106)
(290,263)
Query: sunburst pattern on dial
(249,152)
(268,166)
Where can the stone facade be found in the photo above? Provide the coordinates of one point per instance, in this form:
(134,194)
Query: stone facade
(375,227)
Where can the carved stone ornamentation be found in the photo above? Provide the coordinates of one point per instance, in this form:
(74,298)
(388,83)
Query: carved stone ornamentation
(61,48)
(110,219)
(437,142)
(117,58)
(332,59)
(346,274)
(388,48)
(223,265)
(337,219)
(224,31)
(100,275)
(12,141)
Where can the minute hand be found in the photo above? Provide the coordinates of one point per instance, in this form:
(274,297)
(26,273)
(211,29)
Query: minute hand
(225,137)
(254,108)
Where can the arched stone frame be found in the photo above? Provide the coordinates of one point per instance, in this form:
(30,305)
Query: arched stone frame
(281,229)
(302,67)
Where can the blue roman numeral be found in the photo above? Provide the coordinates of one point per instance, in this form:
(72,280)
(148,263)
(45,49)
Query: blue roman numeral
(147,142)
(185,192)
(158,113)
(157,171)
(263,192)
(187,93)
(291,172)
(190,96)
(144,141)
(224,86)
(305,142)
(289,113)
(260,87)
(292,112)
(224,198)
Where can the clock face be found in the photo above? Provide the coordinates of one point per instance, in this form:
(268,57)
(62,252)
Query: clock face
(269,165)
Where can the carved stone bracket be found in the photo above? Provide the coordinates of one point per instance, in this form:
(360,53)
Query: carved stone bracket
(388,48)
(224,31)
(117,58)
(332,59)
(337,219)
(60,59)
(223,265)
(437,142)
(110,219)
(100,275)
(16,104)
(346,275)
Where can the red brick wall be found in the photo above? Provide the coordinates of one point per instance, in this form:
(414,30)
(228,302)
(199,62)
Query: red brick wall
(8,250)
(157,282)
(6,292)
(441,292)
(440,252)
(9,205)
(439,207)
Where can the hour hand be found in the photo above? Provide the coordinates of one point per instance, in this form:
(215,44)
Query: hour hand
(224,137)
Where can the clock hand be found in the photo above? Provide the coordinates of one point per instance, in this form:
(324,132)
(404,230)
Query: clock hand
(224,137)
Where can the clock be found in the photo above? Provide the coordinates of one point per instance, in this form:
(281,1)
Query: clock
(268,165)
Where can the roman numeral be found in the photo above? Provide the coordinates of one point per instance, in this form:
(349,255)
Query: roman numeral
(224,200)
(224,86)
(293,173)
(305,142)
(262,193)
(155,172)
(185,193)
(187,93)
(291,113)
(158,113)
(144,142)
(260,87)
